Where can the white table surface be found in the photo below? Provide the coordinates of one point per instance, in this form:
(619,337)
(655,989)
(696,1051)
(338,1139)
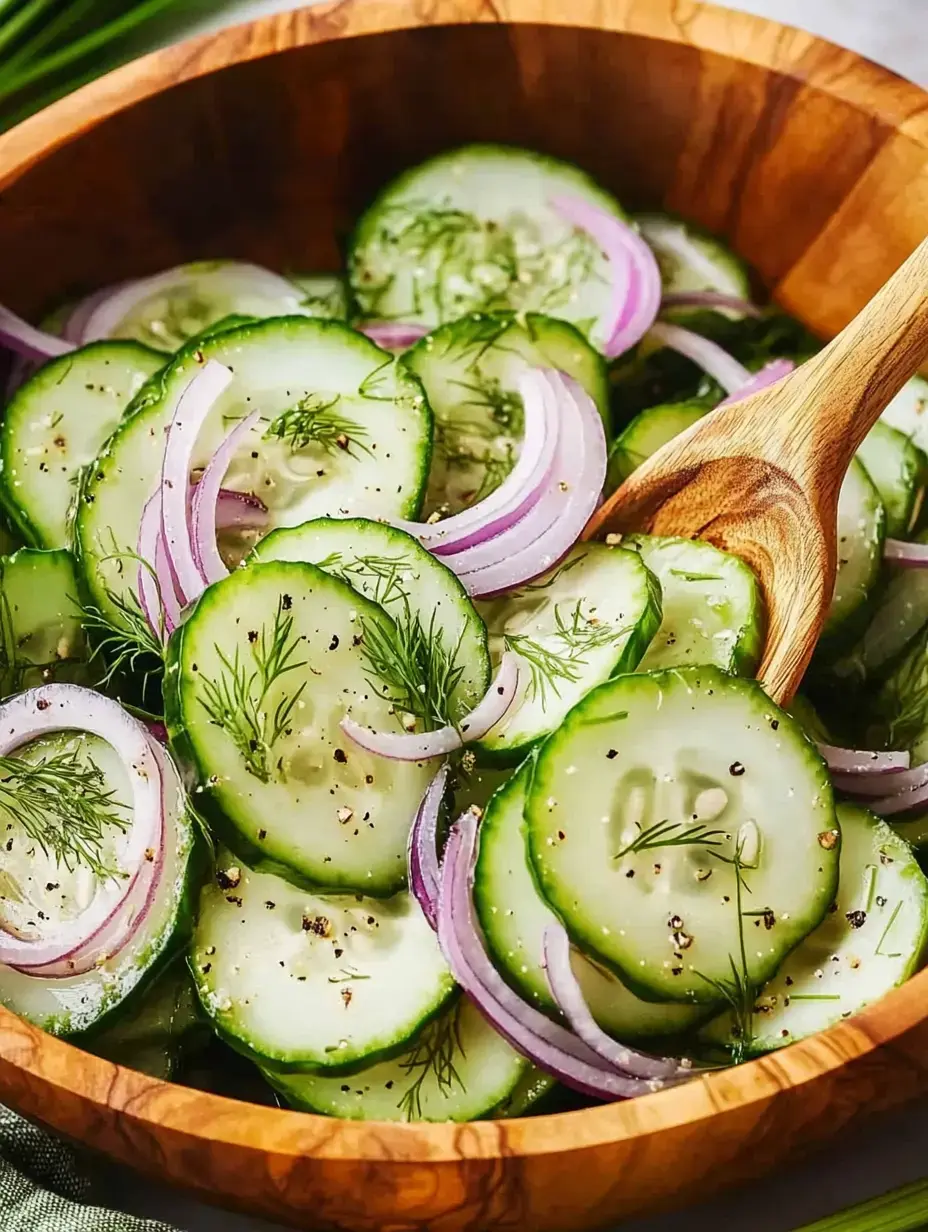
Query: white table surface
(883,1154)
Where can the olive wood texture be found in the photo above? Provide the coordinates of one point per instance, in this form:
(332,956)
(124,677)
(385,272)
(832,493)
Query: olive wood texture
(263,142)
(760,477)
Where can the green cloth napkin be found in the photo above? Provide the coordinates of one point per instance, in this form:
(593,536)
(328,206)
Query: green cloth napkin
(46,1186)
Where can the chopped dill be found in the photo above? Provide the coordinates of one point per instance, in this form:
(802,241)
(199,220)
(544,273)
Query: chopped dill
(562,656)
(238,701)
(315,421)
(433,1055)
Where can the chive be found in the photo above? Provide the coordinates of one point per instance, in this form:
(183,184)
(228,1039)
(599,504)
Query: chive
(871,886)
(902,1210)
(892,920)
(814,996)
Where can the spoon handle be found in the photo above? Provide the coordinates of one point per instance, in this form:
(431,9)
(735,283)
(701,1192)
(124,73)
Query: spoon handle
(841,392)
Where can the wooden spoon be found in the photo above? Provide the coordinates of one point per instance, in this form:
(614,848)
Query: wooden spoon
(761,477)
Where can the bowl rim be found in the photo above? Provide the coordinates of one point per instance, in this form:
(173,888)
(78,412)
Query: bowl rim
(53,1080)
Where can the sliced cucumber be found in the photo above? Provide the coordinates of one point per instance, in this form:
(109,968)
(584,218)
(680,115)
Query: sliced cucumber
(908,412)
(393,569)
(309,983)
(649,431)
(590,618)
(898,468)
(529,1096)
(457,1069)
(872,941)
(167,309)
(40,623)
(693,260)
(470,371)
(156,1034)
(861,531)
(322,295)
(713,611)
(514,916)
(257,681)
(373,459)
(73,1005)
(898,614)
(639,807)
(56,423)
(473,230)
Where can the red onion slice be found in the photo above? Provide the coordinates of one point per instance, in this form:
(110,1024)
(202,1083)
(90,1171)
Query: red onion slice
(422,851)
(193,408)
(393,335)
(766,376)
(544,536)
(710,299)
(75,324)
(909,555)
(862,761)
(520,491)
(420,746)
(570,999)
(25,340)
(68,707)
(709,356)
(240,511)
(155,580)
(544,1042)
(125,923)
(636,276)
(882,785)
(903,800)
(203,521)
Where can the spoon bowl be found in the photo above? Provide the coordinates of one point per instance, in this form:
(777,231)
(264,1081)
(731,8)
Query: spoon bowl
(760,477)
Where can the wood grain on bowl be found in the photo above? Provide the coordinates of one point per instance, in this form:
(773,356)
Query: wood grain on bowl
(263,142)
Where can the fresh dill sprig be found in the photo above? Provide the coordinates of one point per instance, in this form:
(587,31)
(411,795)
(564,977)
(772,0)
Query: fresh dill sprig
(739,992)
(383,574)
(315,421)
(412,667)
(531,588)
(564,658)
(505,406)
(127,643)
(662,834)
(433,1054)
(62,803)
(237,700)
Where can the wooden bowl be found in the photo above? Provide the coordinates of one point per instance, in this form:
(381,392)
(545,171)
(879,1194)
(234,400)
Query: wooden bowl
(263,142)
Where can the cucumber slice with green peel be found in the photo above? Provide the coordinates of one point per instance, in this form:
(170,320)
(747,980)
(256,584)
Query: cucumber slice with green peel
(713,610)
(513,916)
(908,412)
(257,682)
(56,423)
(529,1096)
(156,1034)
(693,260)
(871,942)
(898,469)
(322,295)
(311,983)
(654,792)
(649,431)
(474,230)
(168,309)
(41,638)
(393,569)
(457,1069)
(897,616)
(470,370)
(79,1004)
(861,532)
(345,430)
(809,719)
(591,617)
